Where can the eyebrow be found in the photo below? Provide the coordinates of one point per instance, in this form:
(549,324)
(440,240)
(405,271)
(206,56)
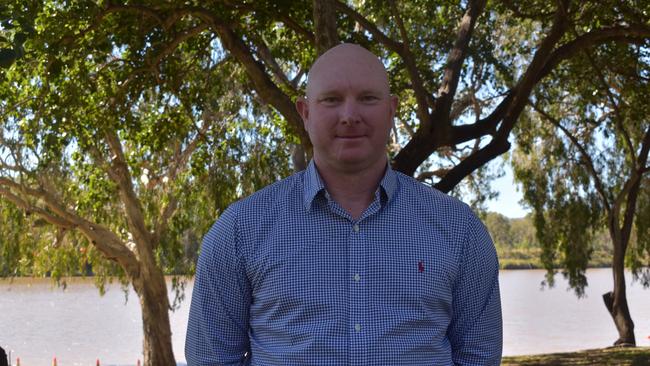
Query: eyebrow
(363,91)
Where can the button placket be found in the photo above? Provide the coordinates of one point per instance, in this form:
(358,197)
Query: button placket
(357,250)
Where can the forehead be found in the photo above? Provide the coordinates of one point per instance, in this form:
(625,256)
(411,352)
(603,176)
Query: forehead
(347,67)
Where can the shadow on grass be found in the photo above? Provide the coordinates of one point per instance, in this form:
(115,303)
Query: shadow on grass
(639,356)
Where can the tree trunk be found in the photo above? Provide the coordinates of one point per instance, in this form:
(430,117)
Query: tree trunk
(152,291)
(325,29)
(616,301)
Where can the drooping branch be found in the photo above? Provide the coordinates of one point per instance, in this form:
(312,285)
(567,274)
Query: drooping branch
(618,119)
(585,156)
(174,43)
(296,27)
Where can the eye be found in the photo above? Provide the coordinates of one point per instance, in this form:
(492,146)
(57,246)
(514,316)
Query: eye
(369,98)
(329,100)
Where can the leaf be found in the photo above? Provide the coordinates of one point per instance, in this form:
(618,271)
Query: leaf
(7,57)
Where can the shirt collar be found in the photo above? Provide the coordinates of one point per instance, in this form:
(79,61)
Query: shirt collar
(313,183)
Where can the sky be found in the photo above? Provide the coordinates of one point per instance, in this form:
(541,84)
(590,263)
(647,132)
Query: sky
(507,203)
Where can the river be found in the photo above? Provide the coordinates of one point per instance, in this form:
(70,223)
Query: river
(39,321)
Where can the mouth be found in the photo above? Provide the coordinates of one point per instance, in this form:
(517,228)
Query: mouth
(350,137)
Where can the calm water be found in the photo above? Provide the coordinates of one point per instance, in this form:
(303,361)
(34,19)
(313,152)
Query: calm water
(39,321)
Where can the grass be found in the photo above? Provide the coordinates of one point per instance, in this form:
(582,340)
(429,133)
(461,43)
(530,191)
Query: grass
(638,356)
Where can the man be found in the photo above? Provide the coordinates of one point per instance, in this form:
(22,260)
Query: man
(347,262)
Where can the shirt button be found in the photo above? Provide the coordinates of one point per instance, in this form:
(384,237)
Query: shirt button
(356,228)
(357,327)
(357,277)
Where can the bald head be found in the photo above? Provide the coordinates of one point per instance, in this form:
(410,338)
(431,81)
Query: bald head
(345,60)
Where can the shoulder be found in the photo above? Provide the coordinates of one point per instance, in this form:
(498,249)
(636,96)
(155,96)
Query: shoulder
(252,215)
(433,203)
(244,218)
(273,195)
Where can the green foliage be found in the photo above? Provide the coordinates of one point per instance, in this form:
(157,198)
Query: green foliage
(518,247)
(16,28)
(90,83)
(577,149)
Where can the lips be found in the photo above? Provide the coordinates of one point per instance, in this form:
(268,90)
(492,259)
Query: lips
(350,136)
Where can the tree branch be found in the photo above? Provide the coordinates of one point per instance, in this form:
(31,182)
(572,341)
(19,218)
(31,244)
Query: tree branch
(324,14)
(265,54)
(421,94)
(120,174)
(370,27)
(455,60)
(472,163)
(630,34)
(19,202)
(267,90)
(632,193)
(102,238)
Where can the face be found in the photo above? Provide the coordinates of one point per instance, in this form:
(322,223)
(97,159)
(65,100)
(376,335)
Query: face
(348,111)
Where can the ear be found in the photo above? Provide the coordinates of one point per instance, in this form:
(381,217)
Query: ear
(302,106)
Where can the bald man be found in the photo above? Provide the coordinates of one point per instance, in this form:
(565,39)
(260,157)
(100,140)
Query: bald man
(347,262)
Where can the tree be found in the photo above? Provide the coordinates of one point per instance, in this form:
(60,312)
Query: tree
(117,110)
(121,153)
(583,161)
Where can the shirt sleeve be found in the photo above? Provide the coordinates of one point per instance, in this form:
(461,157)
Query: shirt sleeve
(217,329)
(475,332)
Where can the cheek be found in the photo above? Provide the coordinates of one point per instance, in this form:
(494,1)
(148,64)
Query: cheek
(320,122)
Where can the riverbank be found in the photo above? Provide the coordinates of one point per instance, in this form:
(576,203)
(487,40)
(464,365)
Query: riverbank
(636,356)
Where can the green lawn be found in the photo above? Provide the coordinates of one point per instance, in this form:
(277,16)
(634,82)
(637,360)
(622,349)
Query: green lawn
(639,356)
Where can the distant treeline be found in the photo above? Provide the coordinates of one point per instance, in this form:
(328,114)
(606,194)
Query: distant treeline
(518,248)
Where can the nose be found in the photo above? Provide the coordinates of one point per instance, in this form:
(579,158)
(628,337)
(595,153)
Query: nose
(350,113)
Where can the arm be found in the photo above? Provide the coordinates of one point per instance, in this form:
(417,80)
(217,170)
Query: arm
(217,329)
(475,332)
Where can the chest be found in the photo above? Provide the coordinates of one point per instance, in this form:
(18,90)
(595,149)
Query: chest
(332,264)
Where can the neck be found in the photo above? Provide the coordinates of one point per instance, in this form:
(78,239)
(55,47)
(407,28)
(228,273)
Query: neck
(353,190)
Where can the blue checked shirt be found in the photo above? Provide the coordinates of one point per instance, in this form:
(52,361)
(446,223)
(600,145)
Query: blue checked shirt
(287,277)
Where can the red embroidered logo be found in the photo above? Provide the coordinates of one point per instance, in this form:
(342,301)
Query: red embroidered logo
(420,266)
